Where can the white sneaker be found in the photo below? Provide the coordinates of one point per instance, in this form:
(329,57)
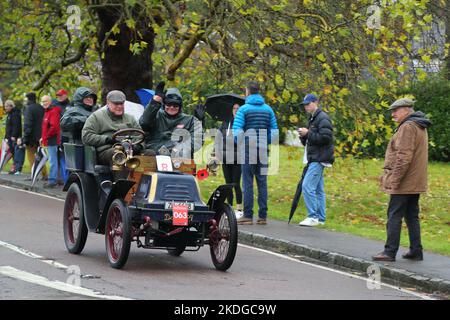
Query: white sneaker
(309,222)
(321,223)
(238,213)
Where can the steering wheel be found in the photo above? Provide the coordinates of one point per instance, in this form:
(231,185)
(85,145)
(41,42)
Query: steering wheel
(135,136)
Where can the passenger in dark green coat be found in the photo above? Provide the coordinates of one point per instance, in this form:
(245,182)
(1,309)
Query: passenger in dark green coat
(72,122)
(167,128)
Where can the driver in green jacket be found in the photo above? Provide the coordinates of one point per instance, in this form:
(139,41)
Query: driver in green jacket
(168,130)
(102,124)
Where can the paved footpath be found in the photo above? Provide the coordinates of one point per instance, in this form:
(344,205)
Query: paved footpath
(333,249)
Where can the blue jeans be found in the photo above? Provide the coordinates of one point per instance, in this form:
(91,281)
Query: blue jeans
(313,191)
(53,158)
(64,173)
(248,172)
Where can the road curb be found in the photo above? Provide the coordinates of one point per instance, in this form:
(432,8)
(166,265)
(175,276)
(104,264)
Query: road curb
(389,274)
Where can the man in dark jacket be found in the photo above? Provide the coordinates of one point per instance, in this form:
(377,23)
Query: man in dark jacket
(168,129)
(13,134)
(73,120)
(319,153)
(32,128)
(405,178)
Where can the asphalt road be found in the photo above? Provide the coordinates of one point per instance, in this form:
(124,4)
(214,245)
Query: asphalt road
(34,264)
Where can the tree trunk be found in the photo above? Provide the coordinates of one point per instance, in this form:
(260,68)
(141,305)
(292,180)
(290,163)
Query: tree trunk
(121,69)
(447,33)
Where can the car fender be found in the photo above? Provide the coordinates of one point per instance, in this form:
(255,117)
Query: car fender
(118,191)
(219,196)
(89,191)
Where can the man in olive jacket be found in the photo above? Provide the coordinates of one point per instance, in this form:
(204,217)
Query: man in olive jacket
(405,178)
(102,124)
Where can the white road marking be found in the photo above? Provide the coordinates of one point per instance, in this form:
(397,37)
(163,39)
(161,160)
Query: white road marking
(57,285)
(31,192)
(422,296)
(32,255)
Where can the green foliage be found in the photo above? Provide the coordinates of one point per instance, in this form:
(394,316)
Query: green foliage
(207,47)
(433,98)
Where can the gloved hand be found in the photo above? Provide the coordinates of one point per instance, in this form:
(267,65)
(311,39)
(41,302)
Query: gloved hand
(159,90)
(199,112)
(137,149)
(110,140)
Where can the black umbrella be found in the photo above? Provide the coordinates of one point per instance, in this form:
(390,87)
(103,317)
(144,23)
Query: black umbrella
(220,106)
(298,193)
(40,159)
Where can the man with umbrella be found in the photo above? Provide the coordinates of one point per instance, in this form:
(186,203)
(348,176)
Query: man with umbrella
(32,129)
(319,153)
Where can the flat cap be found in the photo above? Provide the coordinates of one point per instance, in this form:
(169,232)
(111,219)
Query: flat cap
(403,102)
(116,96)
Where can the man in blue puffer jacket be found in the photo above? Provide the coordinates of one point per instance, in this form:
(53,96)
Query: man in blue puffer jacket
(254,127)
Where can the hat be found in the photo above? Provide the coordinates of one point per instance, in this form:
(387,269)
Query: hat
(61,92)
(403,102)
(116,96)
(309,98)
(173,96)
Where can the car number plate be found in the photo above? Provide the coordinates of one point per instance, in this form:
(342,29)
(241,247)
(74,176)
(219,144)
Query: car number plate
(180,214)
(169,205)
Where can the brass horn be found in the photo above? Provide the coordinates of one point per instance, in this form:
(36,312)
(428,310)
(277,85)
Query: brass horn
(132,163)
(119,157)
(122,158)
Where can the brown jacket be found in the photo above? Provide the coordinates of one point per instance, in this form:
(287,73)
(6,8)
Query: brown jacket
(406,159)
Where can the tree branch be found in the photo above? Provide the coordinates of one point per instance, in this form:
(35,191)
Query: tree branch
(45,78)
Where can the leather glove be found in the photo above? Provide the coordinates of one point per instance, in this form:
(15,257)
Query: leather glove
(137,149)
(110,140)
(199,112)
(159,90)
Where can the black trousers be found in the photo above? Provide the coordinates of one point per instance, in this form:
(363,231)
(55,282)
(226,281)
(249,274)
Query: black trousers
(403,206)
(232,174)
(105,157)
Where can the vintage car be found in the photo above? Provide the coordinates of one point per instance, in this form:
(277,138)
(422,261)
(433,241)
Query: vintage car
(153,200)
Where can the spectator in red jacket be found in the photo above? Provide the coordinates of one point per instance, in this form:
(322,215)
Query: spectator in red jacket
(51,137)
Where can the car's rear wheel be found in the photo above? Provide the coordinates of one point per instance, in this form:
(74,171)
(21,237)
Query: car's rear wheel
(223,240)
(75,229)
(118,234)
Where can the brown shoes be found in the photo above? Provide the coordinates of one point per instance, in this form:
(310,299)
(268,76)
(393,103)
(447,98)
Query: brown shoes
(249,221)
(382,256)
(245,221)
(261,221)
